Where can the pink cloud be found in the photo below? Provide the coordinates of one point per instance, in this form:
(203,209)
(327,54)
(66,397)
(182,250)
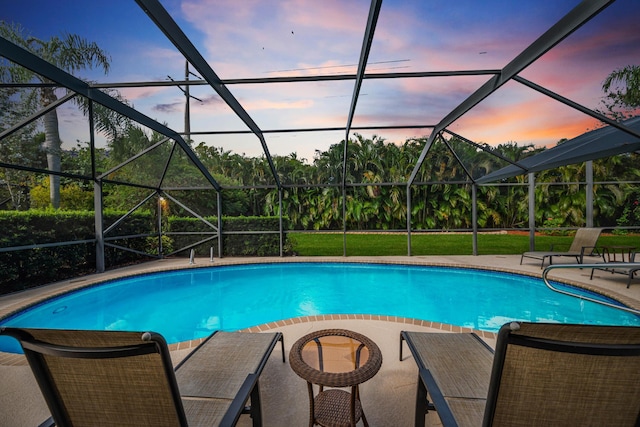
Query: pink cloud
(254,38)
(301,37)
(264,104)
(137,93)
(537,121)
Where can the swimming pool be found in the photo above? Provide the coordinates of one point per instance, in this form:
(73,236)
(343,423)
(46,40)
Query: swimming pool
(187,304)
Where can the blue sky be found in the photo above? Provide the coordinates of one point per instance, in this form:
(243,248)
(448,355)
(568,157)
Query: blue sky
(264,38)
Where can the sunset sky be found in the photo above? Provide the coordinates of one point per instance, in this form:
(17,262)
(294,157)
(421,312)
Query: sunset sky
(267,38)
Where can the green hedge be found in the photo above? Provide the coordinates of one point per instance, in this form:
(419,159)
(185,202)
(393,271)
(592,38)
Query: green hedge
(232,244)
(28,268)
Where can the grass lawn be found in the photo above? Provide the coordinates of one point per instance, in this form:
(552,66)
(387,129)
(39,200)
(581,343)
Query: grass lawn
(323,244)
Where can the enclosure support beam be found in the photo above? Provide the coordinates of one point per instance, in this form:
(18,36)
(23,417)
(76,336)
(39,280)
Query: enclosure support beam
(532,211)
(219,206)
(160,203)
(132,158)
(38,65)
(98,226)
(280,222)
(569,23)
(374,12)
(175,35)
(36,115)
(97,196)
(578,107)
(474,216)
(372,21)
(589,190)
(344,219)
(408,220)
(132,210)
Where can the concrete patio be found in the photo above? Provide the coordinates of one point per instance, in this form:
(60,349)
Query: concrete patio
(388,398)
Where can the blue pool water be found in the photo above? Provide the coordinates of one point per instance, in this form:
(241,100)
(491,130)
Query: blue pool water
(188,304)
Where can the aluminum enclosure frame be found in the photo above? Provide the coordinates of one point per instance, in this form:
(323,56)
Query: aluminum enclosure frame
(577,17)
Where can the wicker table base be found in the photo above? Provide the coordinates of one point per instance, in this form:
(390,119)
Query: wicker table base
(332,408)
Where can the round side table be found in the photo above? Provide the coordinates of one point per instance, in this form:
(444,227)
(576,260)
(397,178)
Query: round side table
(336,358)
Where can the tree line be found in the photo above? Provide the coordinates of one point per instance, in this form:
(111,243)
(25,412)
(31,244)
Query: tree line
(441,196)
(376,195)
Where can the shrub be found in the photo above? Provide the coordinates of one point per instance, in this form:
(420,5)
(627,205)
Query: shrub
(30,267)
(247,241)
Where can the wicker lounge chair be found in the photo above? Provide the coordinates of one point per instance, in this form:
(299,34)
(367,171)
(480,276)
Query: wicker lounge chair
(109,378)
(541,375)
(584,244)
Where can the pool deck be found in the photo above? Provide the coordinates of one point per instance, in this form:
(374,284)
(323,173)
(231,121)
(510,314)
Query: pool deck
(388,398)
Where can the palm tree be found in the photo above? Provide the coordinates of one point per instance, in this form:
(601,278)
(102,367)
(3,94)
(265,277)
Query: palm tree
(69,52)
(622,90)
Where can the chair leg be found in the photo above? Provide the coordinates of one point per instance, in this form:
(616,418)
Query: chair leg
(256,408)
(631,274)
(312,417)
(48,423)
(281,339)
(421,404)
(355,396)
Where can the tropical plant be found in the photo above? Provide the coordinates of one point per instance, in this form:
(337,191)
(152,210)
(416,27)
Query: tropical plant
(376,186)
(630,215)
(21,148)
(622,91)
(69,52)
(72,196)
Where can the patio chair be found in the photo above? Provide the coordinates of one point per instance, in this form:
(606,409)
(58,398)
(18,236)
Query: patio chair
(111,378)
(631,271)
(584,244)
(541,375)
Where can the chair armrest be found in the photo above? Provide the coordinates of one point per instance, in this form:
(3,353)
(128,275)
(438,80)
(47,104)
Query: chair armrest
(48,423)
(441,405)
(594,249)
(237,406)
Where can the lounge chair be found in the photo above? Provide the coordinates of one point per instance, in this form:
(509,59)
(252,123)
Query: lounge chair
(541,375)
(584,244)
(110,378)
(629,269)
